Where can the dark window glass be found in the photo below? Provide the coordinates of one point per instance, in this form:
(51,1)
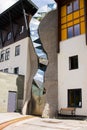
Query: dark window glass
(73,6)
(70,32)
(6,70)
(73,62)
(69,8)
(21,30)
(74,98)
(76,29)
(7,54)
(9,35)
(16,70)
(76,5)
(1,70)
(17,50)
(2,56)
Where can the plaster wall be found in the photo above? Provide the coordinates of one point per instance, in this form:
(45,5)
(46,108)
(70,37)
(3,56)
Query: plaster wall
(72,79)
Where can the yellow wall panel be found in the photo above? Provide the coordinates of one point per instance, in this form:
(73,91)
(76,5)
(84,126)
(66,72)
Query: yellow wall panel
(76,21)
(81,4)
(63,26)
(82,27)
(64,34)
(69,17)
(63,11)
(63,20)
(82,19)
(76,14)
(81,12)
(69,24)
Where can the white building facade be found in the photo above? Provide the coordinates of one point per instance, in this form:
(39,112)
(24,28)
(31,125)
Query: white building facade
(73,81)
(72,63)
(13,58)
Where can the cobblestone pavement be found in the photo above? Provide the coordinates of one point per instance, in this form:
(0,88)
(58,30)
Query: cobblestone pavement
(36,123)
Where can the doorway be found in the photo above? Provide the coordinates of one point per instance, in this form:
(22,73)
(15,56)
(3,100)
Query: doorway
(12,101)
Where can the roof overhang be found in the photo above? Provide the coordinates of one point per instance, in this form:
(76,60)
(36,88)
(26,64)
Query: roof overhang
(16,11)
(62,2)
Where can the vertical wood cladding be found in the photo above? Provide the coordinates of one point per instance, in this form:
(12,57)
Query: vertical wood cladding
(15,27)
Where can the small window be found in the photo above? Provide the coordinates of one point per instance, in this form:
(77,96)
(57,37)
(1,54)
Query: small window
(16,70)
(76,29)
(73,62)
(9,36)
(69,8)
(6,70)
(1,70)
(2,56)
(7,54)
(21,29)
(75,98)
(70,32)
(76,5)
(17,50)
(73,30)
(73,6)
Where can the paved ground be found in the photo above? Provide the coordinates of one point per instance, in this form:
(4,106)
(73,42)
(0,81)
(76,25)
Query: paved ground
(36,123)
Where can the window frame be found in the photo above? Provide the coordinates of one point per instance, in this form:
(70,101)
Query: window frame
(2,56)
(73,32)
(74,91)
(17,52)
(77,29)
(21,29)
(73,9)
(73,63)
(9,36)
(68,32)
(7,54)
(74,6)
(17,70)
(6,70)
(69,12)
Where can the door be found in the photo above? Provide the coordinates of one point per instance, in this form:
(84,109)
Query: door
(12,101)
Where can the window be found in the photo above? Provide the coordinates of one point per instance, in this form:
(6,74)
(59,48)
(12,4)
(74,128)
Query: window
(76,5)
(9,36)
(74,98)
(7,54)
(69,8)
(70,32)
(6,70)
(1,70)
(73,62)
(76,29)
(21,29)
(16,70)
(73,30)
(17,50)
(73,6)
(2,56)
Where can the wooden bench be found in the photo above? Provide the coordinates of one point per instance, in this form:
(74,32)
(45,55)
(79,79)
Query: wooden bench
(71,109)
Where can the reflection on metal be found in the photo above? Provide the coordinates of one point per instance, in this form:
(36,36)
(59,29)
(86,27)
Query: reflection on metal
(38,89)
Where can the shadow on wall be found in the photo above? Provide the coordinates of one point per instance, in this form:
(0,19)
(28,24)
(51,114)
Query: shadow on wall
(20,92)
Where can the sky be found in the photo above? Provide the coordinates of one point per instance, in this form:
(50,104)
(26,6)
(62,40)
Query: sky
(4,4)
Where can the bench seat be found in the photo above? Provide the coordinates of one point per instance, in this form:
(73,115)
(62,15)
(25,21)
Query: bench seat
(71,109)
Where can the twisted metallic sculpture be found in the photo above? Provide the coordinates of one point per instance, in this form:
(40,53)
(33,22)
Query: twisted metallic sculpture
(38,89)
